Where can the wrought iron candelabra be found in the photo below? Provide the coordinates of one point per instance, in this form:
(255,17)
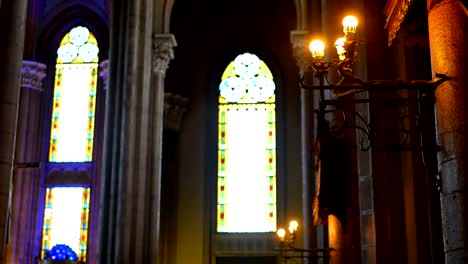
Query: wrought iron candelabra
(290,253)
(406,108)
(341,107)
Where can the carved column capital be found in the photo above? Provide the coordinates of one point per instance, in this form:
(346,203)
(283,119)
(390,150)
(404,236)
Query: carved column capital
(104,72)
(32,75)
(163,52)
(300,45)
(396,12)
(174,108)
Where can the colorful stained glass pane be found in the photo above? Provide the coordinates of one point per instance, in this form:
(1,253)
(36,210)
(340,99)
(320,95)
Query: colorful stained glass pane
(246,148)
(66,217)
(73,110)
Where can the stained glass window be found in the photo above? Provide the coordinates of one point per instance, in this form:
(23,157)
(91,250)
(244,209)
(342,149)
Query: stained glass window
(246,147)
(66,218)
(74,99)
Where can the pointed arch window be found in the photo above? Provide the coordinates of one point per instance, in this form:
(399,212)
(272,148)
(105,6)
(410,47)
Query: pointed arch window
(246,196)
(67,197)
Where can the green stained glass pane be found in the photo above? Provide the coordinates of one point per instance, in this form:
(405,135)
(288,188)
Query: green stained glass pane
(222,115)
(271,181)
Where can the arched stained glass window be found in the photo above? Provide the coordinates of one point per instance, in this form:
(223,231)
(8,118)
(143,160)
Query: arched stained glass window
(246,147)
(72,128)
(66,209)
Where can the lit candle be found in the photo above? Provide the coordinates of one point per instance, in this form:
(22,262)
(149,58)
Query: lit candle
(317,48)
(281,233)
(293,226)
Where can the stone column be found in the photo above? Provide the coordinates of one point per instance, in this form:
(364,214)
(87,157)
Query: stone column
(129,211)
(125,223)
(300,43)
(26,178)
(448,27)
(163,53)
(12,28)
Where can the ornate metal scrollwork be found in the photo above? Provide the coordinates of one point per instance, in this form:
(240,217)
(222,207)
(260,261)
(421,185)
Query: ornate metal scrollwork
(397,127)
(395,123)
(341,120)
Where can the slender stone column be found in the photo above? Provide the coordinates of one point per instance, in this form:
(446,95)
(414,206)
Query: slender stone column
(448,27)
(12,28)
(163,53)
(26,178)
(125,222)
(130,201)
(300,43)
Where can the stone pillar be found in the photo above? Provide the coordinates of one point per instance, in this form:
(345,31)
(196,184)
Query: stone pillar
(163,53)
(130,192)
(12,28)
(448,27)
(300,43)
(26,178)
